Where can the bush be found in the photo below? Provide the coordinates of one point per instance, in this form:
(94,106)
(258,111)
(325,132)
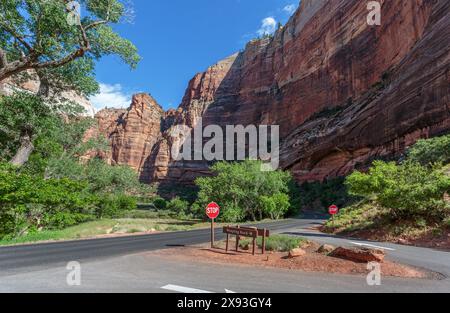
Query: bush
(279,243)
(431,151)
(112,205)
(408,190)
(275,206)
(242,190)
(62,220)
(31,202)
(446,222)
(160,203)
(178,207)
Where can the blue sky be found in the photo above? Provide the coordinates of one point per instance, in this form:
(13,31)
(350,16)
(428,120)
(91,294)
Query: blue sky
(179,38)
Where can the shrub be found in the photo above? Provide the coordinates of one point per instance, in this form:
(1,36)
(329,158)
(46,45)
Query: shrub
(275,206)
(279,243)
(431,151)
(447,222)
(408,190)
(160,203)
(113,205)
(62,220)
(178,207)
(30,202)
(239,188)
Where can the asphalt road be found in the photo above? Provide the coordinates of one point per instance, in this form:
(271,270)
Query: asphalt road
(122,265)
(43,255)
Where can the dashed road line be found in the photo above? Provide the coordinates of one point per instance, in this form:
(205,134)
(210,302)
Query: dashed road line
(182,289)
(371,246)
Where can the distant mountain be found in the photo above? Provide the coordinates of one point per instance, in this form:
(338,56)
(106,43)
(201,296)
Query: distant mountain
(343,92)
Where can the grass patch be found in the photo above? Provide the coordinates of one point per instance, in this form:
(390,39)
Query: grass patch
(110,227)
(370,220)
(278,243)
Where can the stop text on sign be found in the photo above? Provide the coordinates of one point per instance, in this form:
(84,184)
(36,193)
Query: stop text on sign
(333,210)
(213,210)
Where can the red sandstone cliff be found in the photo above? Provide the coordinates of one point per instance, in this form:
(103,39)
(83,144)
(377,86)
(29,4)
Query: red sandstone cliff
(343,92)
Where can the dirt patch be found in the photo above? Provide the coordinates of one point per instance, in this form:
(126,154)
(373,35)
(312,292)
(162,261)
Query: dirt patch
(425,239)
(311,262)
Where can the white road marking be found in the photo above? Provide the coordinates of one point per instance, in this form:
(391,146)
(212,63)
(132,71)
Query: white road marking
(229,291)
(182,289)
(371,246)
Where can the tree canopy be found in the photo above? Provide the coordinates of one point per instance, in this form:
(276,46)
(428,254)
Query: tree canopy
(61,39)
(245,192)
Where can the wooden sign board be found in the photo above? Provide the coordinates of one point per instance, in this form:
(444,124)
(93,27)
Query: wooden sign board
(251,232)
(261,232)
(243,232)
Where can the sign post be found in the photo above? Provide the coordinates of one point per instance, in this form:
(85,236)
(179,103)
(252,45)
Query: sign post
(212,211)
(251,232)
(333,210)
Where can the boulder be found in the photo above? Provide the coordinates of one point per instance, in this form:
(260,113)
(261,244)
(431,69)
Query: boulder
(326,249)
(296,253)
(360,255)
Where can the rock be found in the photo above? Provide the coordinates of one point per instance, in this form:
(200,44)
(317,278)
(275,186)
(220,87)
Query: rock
(32,83)
(326,249)
(339,103)
(296,253)
(360,255)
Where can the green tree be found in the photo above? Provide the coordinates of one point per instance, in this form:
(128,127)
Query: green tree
(409,189)
(23,117)
(244,191)
(29,203)
(52,38)
(431,151)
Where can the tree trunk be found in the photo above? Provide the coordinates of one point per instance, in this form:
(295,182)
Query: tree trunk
(24,152)
(44,87)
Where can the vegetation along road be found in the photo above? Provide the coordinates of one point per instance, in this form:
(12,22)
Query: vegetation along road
(120,264)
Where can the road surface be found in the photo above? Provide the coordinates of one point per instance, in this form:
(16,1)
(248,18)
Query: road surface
(121,265)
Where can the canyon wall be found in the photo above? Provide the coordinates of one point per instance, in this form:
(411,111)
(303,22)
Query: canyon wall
(343,92)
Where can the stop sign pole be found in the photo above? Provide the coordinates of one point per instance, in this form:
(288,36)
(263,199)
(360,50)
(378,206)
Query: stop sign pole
(333,210)
(212,211)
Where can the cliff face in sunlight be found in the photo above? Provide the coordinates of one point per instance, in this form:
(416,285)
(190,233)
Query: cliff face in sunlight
(343,92)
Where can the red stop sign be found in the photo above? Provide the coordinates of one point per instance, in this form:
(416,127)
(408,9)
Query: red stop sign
(213,210)
(333,210)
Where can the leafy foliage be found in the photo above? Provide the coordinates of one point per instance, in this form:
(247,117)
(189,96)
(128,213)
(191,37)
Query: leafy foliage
(245,192)
(30,203)
(318,196)
(431,151)
(52,38)
(22,114)
(279,243)
(55,189)
(408,189)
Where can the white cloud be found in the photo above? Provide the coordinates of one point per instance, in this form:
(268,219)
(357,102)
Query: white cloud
(111,96)
(290,9)
(268,26)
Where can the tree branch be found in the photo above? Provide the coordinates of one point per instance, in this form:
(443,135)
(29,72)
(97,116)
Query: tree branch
(18,37)
(31,60)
